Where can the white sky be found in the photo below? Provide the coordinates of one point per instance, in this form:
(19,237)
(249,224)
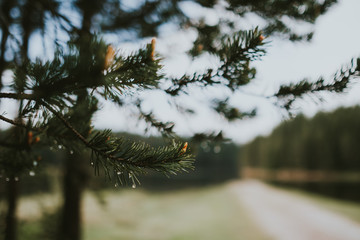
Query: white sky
(335,43)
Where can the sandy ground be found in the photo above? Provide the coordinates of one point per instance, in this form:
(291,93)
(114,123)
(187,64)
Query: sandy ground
(285,217)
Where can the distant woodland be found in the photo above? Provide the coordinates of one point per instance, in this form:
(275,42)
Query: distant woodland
(328,141)
(320,154)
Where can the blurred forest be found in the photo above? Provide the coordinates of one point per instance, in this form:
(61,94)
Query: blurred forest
(320,154)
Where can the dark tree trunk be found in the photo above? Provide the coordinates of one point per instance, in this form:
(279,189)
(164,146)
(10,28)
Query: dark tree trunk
(76,166)
(75,179)
(10,220)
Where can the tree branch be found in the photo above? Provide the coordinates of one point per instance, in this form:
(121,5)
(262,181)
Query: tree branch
(66,123)
(19,124)
(77,134)
(144,163)
(17,96)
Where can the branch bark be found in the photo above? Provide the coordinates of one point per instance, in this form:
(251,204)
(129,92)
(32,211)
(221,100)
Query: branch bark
(17,96)
(19,124)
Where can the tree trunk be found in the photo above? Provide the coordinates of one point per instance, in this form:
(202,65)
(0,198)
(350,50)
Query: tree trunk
(75,178)
(10,220)
(76,174)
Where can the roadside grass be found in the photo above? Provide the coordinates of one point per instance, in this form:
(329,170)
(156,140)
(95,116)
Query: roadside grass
(201,213)
(134,214)
(347,209)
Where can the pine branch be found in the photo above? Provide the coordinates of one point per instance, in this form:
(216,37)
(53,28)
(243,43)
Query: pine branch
(66,123)
(213,137)
(165,128)
(203,80)
(289,93)
(231,113)
(109,75)
(17,96)
(19,124)
(119,155)
(140,70)
(235,54)
(137,158)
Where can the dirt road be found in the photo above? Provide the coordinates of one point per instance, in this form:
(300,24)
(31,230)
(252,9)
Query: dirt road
(285,217)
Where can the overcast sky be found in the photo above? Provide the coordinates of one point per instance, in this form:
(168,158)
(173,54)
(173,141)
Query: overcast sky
(335,43)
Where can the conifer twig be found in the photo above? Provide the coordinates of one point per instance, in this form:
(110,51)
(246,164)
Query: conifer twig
(66,123)
(17,96)
(89,145)
(81,137)
(8,120)
(19,124)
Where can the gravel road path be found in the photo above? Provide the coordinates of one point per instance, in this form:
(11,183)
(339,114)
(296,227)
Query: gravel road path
(285,217)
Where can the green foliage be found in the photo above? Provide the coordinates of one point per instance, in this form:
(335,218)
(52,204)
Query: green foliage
(51,85)
(127,159)
(326,142)
(231,113)
(275,11)
(235,54)
(289,93)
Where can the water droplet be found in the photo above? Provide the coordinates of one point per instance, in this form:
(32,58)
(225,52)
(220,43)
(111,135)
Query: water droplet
(217,149)
(119,173)
(134,185)
(302,9)
(92,163)
(71,152)
(116,185)
(15,12)
(205,146)
(32,173)
(7,179)
(35,163)
(16,179)
(60,146)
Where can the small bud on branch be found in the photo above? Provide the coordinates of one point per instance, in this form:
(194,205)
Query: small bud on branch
(152,54)
(29,138)
(183,150)
(37,139)
(109,57)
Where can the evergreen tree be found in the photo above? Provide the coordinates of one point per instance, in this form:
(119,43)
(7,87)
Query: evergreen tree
(327,142)
(58,94)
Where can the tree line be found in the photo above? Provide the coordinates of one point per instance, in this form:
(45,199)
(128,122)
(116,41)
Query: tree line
(318,154)
(328,141)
